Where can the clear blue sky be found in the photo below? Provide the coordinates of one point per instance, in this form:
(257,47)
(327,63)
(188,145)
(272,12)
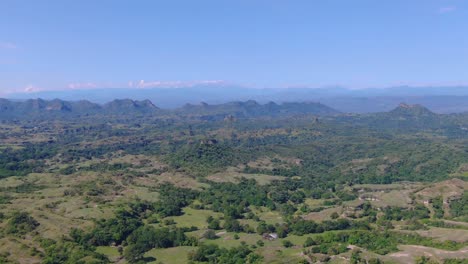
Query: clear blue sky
(355,43)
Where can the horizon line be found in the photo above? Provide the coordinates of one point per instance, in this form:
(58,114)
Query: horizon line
(79,87)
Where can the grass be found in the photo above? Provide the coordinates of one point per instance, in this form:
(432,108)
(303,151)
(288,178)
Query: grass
(90,213)
(250,222)
(11,182)
(178,179)
(193,217)
(227,239)
(446,189)
(231,175)
(267,215)
(313,203)
(111,252)
(177,255)
(323,215)
(408,253)
(19,250)
(143,194)
(398,198)
(443,234)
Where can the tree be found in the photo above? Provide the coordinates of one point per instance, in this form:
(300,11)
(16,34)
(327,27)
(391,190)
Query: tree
(210,234)
(134,253)
(287,244)
(232,225)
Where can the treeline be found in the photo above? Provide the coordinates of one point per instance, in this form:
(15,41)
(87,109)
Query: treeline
(459,207)
(379,242)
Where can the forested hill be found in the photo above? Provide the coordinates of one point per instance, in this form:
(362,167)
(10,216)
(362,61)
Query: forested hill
(403,118)
(253,109)
(43,109)
(39,108)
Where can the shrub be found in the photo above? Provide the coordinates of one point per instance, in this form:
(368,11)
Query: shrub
(21,223)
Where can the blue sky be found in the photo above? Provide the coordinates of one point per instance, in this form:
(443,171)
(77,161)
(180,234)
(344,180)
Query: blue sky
(49,45)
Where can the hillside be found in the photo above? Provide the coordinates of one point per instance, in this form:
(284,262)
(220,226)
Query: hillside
(250,109)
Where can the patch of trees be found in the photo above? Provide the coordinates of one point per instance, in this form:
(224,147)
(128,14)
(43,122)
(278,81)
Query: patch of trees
(213,223)
(419,211)
(207,157)
(26,160)
(127,229)
(172,199)
(109,231)
(21,223)
(145,238)
(69,252)
(234,199)
(279,171)
(459,208)
(437,205)
(379,242)
(301,227)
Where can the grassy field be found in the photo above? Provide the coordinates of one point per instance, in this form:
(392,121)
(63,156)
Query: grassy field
(192,217)
(443,234)
(265,214)
(178,255)
(111,252)
(323,215)
(408,253)
(233,175)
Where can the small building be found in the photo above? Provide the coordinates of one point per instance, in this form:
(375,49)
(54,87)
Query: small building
(270,236)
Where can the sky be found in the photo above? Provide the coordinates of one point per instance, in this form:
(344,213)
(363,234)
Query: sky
(87,44)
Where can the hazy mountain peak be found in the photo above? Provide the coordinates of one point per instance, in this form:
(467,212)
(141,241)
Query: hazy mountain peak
(414,108)
(251,103)
(57,105)
(405,109)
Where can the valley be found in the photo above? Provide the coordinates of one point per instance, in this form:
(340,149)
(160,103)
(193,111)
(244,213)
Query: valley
(241,182)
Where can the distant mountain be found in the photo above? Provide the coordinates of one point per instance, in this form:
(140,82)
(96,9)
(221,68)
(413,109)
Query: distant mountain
(411,111)
(43,109)
(438,99)
(126,106)
(252,108)
(40,107)
(442,104)
(408,117)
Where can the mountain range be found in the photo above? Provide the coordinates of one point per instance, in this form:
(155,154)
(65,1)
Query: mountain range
(403,118)
(43,109)
(438,99)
